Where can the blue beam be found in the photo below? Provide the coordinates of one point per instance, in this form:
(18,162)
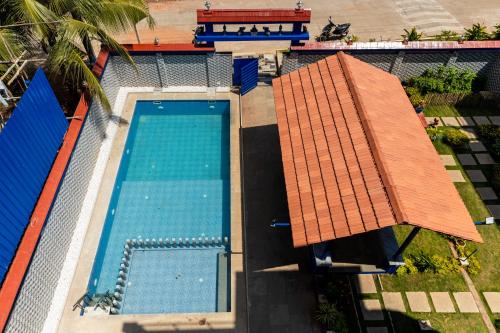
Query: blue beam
(248,36)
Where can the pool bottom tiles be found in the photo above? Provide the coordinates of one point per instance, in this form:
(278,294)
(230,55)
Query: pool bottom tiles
(172,184)
(176,280)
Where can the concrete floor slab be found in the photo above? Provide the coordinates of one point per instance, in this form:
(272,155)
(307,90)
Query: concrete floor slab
(466,121)
(493,300)
(476,146)
(442,302)
(418,301)
(371,309)
(471,134)
(450,121)
(377,330)
(448,160)
(486,193)
(466,159)
(465,302)
(481,120)
(484,158)
(365,284)
(456,176)
(280,286)
(476,176)
(393,301)
(495,120)
(494,210)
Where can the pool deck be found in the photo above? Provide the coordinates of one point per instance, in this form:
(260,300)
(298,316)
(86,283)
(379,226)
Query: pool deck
(234,321)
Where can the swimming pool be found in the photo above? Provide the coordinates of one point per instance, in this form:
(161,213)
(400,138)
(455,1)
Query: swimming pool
(166,232)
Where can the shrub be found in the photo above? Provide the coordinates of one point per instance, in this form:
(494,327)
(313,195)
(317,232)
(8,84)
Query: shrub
(408,268)
(434,133)
(447,35)
(424,262)
(414,95)
(474,266)
(328,316)
(412,35)
(444,80)
(496,32)
(476,32)
(455,137)
(495,177)
(495,148)
(488,132)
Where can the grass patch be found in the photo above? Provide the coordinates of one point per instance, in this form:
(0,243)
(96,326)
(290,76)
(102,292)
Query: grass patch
(457,111)
(429,242)
(440,322)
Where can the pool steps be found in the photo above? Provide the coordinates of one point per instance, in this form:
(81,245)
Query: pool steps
(151,244)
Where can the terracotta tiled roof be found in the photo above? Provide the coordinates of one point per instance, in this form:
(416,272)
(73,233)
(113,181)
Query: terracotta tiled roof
(356,157)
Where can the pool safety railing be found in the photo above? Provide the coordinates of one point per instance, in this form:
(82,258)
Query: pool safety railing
(142,244)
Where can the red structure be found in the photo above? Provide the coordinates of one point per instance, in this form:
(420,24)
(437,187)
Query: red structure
(233,16)
(207,18)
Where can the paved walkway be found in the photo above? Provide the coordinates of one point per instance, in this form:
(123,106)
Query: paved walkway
(280,287)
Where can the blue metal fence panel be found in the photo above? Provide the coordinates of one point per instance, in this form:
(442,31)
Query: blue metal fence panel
(238,64)
(249,76)
(28,145)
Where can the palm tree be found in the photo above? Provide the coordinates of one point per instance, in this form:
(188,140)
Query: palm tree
(496,32)
(65,29)
(476,32)
(412,35)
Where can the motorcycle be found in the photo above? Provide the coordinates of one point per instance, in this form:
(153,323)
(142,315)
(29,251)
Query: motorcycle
(332,31)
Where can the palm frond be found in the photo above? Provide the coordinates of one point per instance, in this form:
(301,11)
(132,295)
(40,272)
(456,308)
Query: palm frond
(66,59)
(31,11)
(73,30)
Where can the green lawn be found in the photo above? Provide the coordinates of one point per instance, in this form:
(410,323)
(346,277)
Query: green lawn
(489,253)
(453,111)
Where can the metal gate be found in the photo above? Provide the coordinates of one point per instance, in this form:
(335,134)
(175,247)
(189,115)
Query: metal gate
(246,74)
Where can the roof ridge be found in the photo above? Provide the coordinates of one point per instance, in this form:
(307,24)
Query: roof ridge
(370,138)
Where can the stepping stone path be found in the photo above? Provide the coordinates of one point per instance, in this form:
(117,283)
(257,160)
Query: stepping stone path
(365,284)
(442,302)
(493,300)
(471,134)
(476,176)
(494,210)
(481,120)
(393,301)
(476,146)
(486,193)
(371,309)
(495,120)
(377,330)
(430,121)
(448,160)
(418,301)
(466,159)
(450,121)
(485,158)
(466,121)
(456,176)
(465,302)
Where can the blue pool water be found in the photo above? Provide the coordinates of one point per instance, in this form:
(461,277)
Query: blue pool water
(173,182)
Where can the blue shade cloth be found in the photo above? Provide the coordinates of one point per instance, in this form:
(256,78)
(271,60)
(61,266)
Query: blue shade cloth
(173,182)
(28,145)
